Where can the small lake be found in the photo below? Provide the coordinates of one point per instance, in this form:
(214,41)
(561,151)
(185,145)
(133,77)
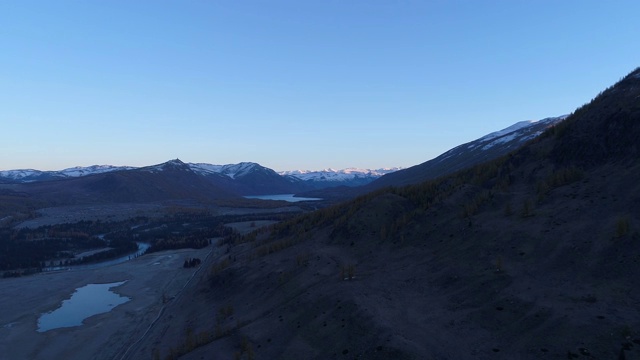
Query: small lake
(86,301)
(283,197)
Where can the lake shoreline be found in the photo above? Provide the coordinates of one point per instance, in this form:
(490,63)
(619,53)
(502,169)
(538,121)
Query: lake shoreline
(282,197)
(149,279)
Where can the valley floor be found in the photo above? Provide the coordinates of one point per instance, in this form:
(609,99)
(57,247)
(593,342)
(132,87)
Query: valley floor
(153,282)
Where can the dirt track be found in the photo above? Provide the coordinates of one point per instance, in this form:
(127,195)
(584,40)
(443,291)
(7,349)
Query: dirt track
(150,278)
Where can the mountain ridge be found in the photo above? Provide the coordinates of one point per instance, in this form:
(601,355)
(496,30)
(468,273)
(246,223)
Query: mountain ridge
(499,142)
(531,255)
(490,146)
(229,170)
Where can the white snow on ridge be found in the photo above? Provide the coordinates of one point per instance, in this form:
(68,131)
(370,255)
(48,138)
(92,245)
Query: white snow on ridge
(238,170)
(521,125)
(515,127)
(230,170)
(521,131)
(94,169)
(338,175)
(203,169)
(77,171)
(241,169)
(500,140)
(233,171)
(19,173)
(515,131)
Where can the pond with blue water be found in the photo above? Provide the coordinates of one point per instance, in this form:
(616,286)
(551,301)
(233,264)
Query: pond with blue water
(86,301)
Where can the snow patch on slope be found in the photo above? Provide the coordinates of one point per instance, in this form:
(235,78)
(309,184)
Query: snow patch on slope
(231,170)
(338,175)
(500,140)
(94,169)
(518,131)
(238,170)
(19,173)
(30,175)
(204,169)
(515,127)
(521,125)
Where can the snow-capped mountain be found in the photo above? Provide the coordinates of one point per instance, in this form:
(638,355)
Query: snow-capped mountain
(331,177)
(245,178)
(31,175)
(522,131)
(175,164)
(231,170)
(94,169)
(248,178)
(486,148)
(20,174)
(298,180)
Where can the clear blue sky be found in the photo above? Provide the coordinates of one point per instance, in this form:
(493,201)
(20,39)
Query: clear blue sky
(293,84)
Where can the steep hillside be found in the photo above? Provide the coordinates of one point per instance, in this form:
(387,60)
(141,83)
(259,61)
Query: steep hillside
(605,130)
(461,157)
(531,256)
(472,153)
(250,179)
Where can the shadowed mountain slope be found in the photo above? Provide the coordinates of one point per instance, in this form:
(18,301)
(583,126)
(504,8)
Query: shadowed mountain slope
(607,129)
(250,179)
(464,156)
(533,255)
(172,180)
(486,148)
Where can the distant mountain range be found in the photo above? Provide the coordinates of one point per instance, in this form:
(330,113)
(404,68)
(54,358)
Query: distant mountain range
(460,157)
(345,177)
(240,171)
(176,180)
(31,175)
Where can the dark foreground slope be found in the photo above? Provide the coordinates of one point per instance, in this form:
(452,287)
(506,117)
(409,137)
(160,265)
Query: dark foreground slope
(532,256)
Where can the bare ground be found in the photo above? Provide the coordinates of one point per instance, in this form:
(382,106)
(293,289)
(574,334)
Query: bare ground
(150,279)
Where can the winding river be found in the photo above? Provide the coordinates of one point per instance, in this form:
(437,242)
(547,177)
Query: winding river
(142,247)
